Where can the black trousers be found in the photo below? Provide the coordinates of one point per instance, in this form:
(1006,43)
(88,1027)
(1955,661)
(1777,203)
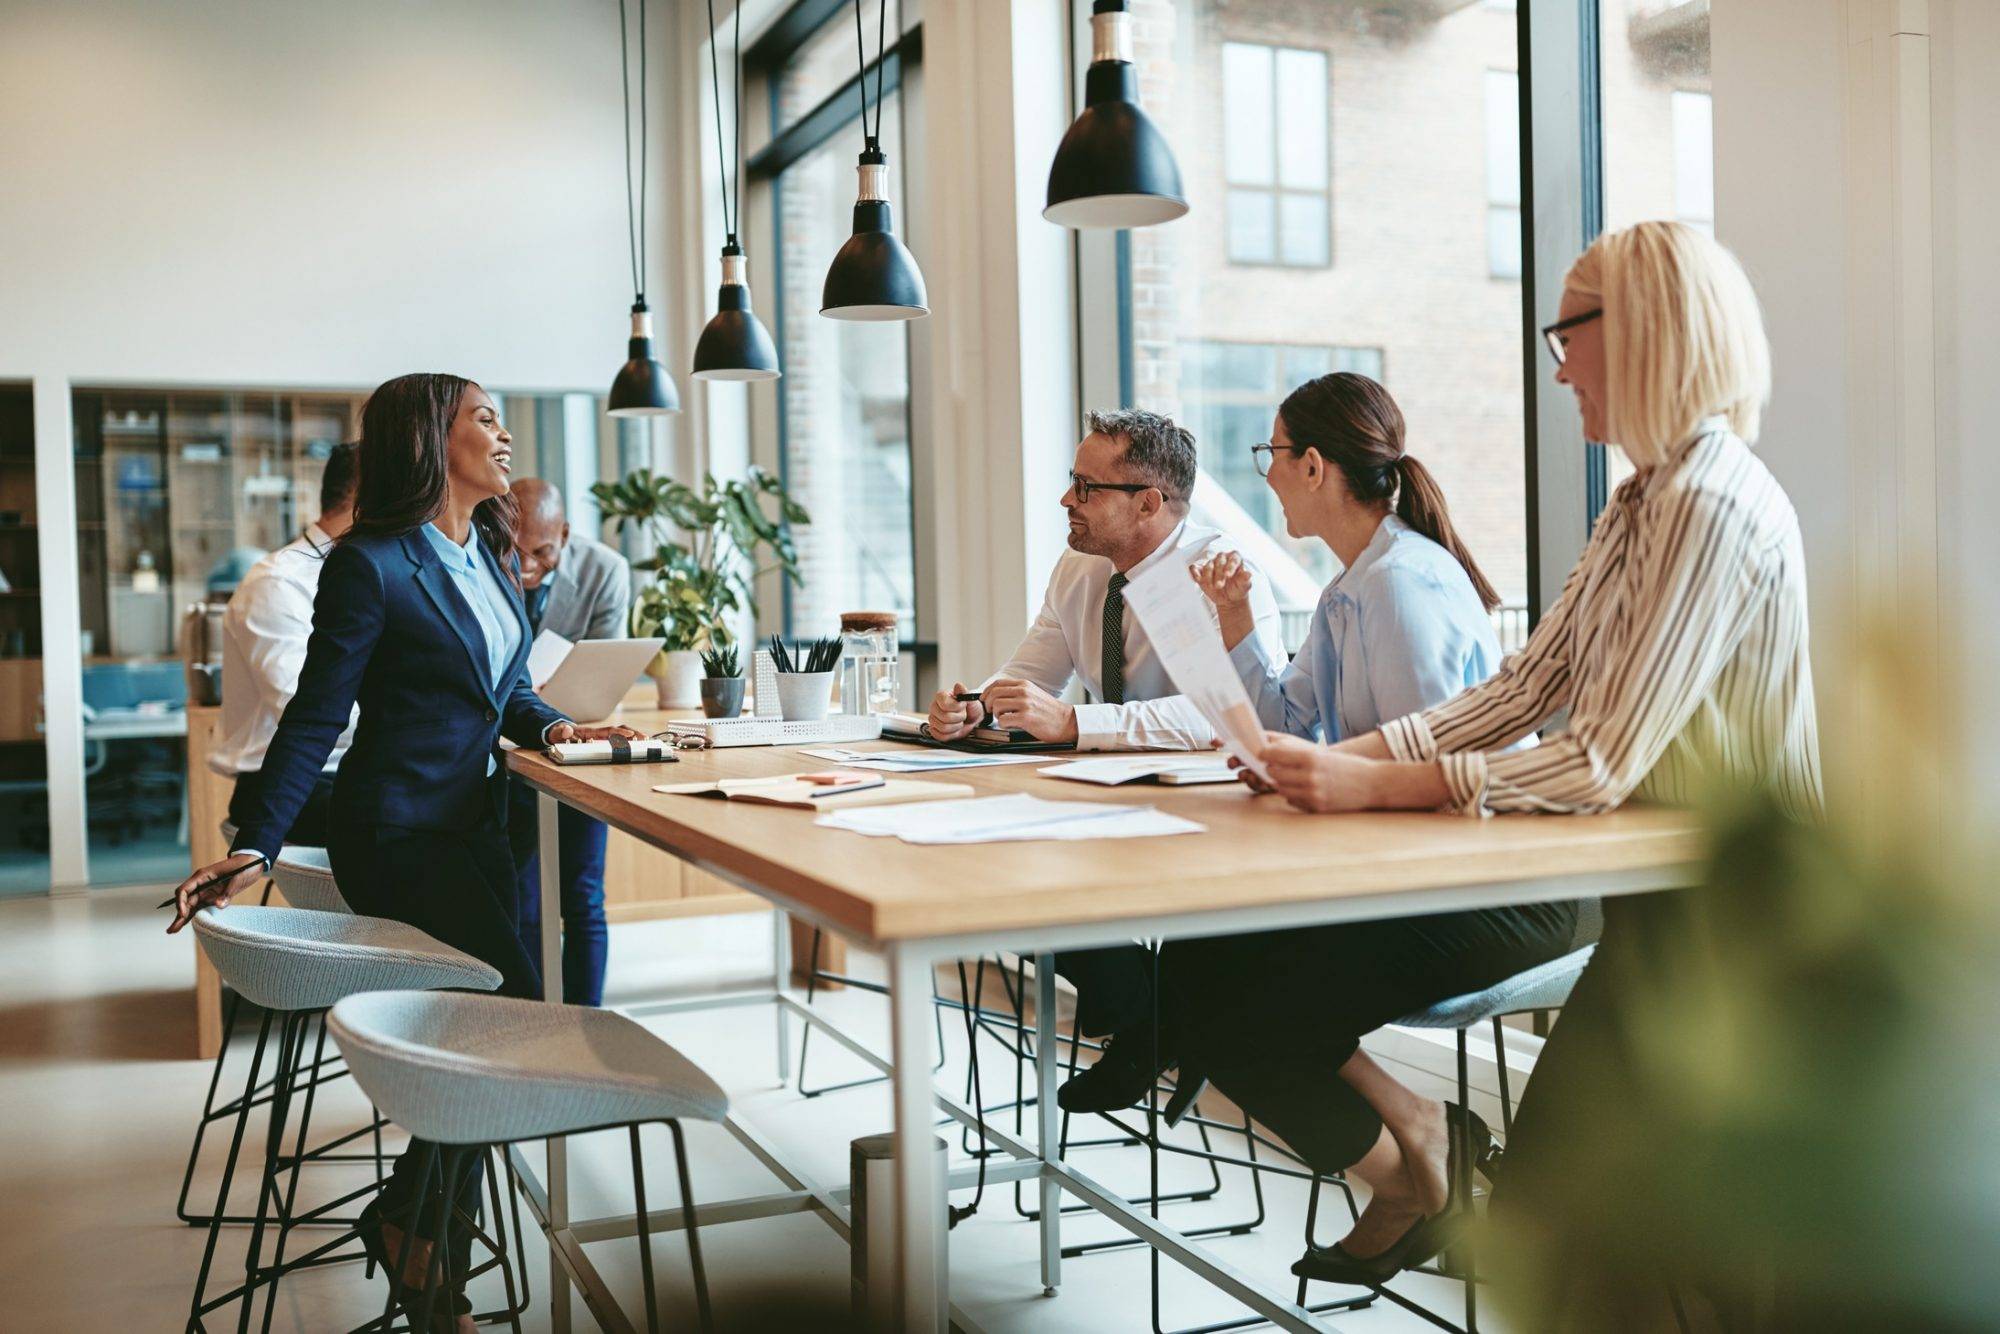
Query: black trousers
(1114,987)
(457,885)
(308,830)
(1270,1018)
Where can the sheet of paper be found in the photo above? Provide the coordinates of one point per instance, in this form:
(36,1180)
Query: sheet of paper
(1016,818)
(1114,769)
(1183,632)
(544,656)
(914,762)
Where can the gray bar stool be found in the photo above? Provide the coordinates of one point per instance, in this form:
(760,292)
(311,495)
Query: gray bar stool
(470,1073)
(294,963)
(305,877)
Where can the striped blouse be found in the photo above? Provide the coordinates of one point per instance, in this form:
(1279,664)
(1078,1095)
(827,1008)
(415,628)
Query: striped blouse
(1679,647)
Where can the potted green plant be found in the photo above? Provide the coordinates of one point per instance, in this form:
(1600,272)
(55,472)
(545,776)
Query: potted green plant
(710,547)
(721,683)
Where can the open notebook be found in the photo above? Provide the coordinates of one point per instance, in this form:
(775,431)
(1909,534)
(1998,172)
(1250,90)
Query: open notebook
(800,792)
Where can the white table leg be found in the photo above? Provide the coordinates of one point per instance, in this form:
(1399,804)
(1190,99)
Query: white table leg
(919,1266)
(550,854)
(1048,1119)
(781,967)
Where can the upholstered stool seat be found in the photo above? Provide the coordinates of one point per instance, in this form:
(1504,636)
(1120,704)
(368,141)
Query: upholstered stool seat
(1543,987)
(298,959)
(305,877)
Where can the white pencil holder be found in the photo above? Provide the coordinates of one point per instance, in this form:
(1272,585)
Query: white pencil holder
(804,696)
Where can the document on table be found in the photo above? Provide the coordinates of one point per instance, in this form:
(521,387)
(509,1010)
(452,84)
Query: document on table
(1173,770)
(1011,819)
(1182,631)
(914,762)
(544,656)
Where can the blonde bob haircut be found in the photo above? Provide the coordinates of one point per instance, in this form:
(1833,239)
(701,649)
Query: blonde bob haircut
(1683,336)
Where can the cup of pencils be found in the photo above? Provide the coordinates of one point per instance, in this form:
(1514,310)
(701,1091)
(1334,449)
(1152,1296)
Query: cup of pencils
(805,677)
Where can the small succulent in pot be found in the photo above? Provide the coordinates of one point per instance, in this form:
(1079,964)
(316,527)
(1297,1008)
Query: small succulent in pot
(722,683)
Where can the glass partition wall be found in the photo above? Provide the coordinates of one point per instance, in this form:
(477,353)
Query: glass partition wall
(24,793)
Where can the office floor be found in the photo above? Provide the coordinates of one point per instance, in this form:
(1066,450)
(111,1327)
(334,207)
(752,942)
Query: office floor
(100,1106)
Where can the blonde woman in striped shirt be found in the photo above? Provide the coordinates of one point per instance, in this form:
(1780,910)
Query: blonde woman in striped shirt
(1678,649)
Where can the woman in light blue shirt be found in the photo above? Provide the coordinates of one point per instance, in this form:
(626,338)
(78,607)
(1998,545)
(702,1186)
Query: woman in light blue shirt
(1276,1019)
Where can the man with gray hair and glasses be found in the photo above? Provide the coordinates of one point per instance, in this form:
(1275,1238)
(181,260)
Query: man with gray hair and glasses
(1127,502)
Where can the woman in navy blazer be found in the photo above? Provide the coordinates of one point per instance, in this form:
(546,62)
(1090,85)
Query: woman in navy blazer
(419,618)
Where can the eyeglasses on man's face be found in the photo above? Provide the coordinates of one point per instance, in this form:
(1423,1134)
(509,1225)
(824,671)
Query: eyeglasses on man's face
(1556,335)
(1083,486)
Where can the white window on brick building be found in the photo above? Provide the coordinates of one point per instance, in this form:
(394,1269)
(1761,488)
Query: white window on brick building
(1274,107)
(1503,174)
(1230,392)
(1694,159)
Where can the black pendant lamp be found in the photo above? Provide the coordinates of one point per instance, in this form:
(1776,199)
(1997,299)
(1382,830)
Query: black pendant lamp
(874,277)
(735,344)
(642,387)
(1113,168)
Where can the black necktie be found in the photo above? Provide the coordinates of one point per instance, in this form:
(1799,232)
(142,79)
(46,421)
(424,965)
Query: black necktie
(538,599)
(1113,675)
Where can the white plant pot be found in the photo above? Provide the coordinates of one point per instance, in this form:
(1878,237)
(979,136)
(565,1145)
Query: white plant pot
(803,696)
(678,681)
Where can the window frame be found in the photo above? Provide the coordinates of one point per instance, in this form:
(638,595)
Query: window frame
(1277,190)
(837,113)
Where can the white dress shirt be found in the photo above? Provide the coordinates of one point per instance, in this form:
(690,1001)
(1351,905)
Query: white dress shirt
(264,634)
(1066,641)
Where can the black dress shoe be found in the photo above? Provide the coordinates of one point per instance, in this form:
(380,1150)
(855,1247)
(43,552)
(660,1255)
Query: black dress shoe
(1427,1237)
(1125,1070)
(444,1313)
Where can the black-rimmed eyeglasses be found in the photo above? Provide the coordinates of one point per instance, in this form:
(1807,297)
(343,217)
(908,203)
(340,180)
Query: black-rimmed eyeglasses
(1552,334)
(1083,486)
(1261,456)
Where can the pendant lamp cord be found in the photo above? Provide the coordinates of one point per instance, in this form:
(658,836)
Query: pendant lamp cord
(872,138)
(635,212)
(729,220)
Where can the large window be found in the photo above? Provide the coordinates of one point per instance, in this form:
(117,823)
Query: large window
(1408,128)
(1658,131)
(844,401)
(1275,155)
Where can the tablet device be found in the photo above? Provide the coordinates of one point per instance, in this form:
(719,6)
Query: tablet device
(593,677)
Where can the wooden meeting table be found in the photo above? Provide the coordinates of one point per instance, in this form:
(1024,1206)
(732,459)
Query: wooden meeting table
(1260,865)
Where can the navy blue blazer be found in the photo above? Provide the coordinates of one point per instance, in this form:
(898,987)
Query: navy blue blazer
(391,630)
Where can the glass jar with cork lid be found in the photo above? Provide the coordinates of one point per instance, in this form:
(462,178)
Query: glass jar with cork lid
(868,662)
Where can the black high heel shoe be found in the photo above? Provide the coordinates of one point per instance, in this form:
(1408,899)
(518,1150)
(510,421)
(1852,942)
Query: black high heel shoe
(444,1317)
(1427,1237)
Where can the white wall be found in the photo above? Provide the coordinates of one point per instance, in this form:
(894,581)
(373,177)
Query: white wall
(1858,178)
(301,194)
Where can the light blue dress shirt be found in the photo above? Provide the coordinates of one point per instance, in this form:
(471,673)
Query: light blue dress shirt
(483,593)
(490,605)
(1399,630)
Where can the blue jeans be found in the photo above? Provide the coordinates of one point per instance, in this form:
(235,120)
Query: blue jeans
(582,875)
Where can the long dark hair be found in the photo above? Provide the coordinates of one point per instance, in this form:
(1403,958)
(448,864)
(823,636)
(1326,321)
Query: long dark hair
(1357,427)
(404,429)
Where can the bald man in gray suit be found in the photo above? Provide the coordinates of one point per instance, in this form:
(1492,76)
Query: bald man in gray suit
(580,589)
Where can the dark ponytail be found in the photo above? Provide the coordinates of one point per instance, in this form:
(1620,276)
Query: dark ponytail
(1357,427)
(404,429)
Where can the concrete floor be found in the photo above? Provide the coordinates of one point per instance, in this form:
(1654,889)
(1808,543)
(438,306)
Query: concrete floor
(99,1092)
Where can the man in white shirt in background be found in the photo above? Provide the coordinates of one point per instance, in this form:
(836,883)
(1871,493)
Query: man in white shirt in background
(1127,500)
(264,635)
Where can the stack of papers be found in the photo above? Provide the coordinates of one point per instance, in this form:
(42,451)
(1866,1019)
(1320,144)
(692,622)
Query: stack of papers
(914,761)
(1012,819)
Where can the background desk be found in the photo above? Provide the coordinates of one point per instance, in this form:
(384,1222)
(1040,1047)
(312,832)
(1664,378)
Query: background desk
(1260,866)
(641,882)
